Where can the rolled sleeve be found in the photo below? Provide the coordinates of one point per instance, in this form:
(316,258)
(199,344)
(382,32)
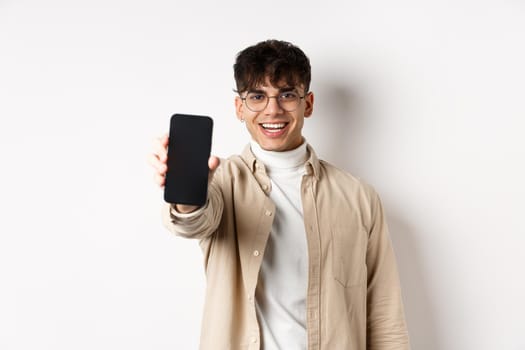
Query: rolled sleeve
(198,224)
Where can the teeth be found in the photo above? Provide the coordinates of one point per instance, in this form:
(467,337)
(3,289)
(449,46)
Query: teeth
(273,126)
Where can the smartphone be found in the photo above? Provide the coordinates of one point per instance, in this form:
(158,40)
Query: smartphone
(189,149)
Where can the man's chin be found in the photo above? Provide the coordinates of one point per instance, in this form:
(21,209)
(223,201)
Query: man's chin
(271,146)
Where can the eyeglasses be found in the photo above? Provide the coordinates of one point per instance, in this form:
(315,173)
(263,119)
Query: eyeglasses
(257,102)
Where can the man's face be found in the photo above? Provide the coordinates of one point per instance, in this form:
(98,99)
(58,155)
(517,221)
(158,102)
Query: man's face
(274,128)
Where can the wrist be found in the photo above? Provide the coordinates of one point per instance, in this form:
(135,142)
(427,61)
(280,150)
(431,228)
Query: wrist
(185,209)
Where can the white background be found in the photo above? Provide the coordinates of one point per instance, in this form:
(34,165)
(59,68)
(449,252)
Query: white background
(423,99)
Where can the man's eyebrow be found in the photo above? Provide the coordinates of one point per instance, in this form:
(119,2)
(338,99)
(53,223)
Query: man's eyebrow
(282,89)
(257,91)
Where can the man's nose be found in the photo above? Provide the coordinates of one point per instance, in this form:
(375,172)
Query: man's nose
(273,106)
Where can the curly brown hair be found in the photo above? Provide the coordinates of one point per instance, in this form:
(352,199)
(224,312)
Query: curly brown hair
(278,60)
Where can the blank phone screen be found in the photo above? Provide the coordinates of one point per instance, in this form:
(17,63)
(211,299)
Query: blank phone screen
(188,153)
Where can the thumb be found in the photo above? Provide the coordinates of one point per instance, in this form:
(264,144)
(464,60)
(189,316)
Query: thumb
(213,163)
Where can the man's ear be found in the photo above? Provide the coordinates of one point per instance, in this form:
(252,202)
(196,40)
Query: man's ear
(309,100)
(238,107)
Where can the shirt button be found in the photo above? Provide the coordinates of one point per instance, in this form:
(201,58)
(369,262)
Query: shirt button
(268,213)
(256,253)
(253,340)
(265,187)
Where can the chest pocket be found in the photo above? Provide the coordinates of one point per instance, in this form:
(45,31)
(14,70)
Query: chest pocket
(349,255)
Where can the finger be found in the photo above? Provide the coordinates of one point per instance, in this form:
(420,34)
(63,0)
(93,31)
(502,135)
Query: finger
(162,169)
(164,140)
(161,150)
(160,180)
(155,162)
(213,163)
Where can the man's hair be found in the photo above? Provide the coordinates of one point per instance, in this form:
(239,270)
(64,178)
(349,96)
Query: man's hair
(278,60)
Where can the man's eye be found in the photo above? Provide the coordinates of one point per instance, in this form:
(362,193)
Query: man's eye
(287,96)
(256,97)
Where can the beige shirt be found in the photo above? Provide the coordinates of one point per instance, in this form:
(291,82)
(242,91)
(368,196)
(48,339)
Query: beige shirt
(353,295)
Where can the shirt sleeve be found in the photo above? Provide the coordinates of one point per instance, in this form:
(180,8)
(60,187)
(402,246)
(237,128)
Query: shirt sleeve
(386,326)
(199,224)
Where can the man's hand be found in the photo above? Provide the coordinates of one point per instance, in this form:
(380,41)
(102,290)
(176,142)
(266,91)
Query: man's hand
(159,161)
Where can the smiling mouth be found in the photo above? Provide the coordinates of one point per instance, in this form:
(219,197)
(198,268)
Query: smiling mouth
(273,127)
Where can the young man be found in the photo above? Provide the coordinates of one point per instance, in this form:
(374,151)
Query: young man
(297,252)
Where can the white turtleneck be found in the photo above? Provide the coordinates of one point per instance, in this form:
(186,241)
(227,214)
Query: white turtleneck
(281,289)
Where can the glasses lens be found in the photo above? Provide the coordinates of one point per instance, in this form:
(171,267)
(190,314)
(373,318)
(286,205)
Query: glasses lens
(289,101)
(256,102)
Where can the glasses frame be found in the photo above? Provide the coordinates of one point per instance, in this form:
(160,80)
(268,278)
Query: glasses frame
(276,99)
